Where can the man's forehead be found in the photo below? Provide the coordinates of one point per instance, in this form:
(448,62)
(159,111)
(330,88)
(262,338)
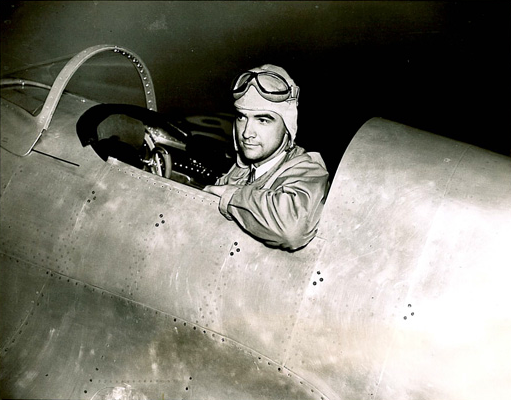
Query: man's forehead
(258,113)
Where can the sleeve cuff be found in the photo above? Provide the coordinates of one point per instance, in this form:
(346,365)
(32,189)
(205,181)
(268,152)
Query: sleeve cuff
(225,200)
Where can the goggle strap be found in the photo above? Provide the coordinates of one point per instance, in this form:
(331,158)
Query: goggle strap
(295,92)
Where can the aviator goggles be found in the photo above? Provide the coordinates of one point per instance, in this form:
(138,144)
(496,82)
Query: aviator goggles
(270,86)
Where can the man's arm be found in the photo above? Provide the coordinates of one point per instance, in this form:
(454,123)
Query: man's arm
(285,215)
(217,190)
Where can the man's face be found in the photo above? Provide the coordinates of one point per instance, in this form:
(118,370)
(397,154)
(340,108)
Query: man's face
(259,134)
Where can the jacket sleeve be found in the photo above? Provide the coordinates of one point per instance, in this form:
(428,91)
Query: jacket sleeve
(285,215)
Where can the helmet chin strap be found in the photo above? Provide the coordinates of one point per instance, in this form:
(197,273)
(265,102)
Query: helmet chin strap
(290,142)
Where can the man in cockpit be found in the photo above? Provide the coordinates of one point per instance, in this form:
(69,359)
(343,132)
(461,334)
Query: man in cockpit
(275,190)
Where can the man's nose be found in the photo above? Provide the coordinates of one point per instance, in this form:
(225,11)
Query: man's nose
(248,131)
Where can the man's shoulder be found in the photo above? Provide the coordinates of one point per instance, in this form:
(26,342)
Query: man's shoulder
(297,165)
(298,154)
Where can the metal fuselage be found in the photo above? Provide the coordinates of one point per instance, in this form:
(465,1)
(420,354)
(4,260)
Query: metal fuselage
(114,277)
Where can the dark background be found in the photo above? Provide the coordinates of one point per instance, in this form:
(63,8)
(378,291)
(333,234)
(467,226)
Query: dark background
(443,67)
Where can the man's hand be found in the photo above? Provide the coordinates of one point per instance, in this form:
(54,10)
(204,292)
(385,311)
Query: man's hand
(216,190)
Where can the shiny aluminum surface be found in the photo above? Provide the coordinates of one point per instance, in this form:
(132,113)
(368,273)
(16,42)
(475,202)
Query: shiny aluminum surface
(113,276)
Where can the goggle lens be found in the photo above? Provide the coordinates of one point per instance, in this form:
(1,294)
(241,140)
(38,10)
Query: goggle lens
(242,82)
(272,84)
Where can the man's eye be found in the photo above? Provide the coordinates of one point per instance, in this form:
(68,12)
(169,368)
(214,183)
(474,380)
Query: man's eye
(240,117)
(264,121)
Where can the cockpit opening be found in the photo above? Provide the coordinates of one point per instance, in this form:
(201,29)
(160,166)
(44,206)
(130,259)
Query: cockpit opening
(149,140)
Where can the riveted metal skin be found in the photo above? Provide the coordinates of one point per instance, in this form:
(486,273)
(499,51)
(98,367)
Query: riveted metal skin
(78,340)
(125,282)
(113,277)
(414,302)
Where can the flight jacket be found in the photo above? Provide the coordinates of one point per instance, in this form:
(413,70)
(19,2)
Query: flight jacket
(281,208)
